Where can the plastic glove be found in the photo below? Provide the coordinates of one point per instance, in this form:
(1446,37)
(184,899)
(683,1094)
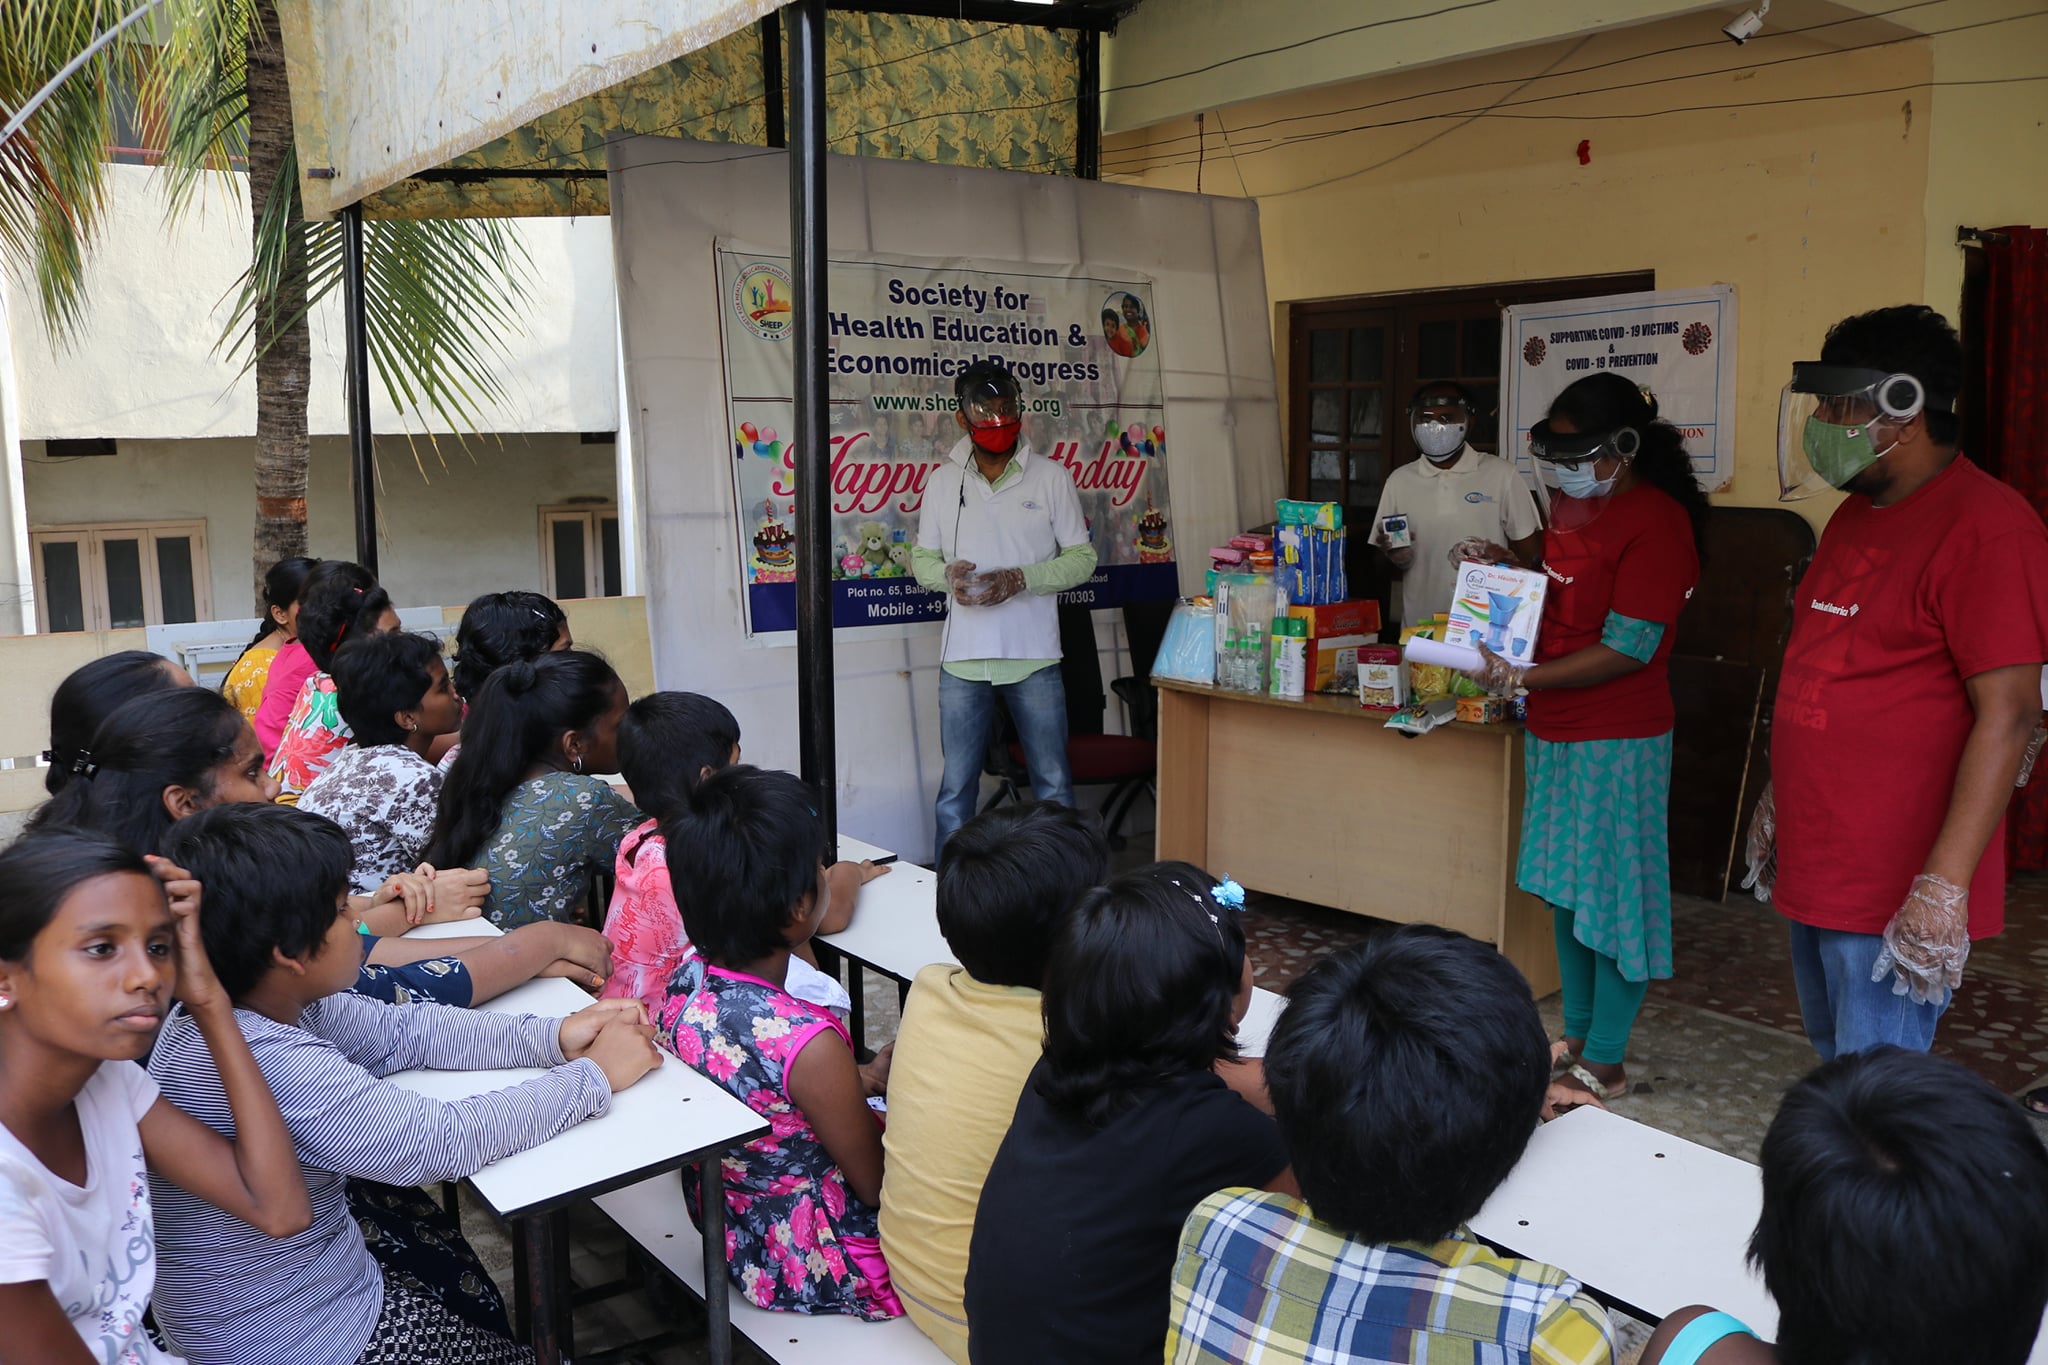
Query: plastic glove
(957,573)
(2033,752)
(1500,677)
(1927,942)
(1480,550)
(1401,558)
(990,589)
(1763,846)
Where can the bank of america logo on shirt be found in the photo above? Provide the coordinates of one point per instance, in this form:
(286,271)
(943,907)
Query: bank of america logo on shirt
(1831,609)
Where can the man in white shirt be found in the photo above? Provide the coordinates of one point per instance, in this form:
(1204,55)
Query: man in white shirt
(1001,533)
(1453,493)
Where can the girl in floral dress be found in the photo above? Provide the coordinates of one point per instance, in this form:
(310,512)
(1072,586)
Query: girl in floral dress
(800,1204)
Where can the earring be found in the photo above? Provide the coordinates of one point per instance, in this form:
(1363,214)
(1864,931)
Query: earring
(578,764)
(412,727)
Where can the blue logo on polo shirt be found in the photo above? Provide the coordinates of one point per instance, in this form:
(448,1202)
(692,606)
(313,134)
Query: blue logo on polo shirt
(1030,506)
(1475,496)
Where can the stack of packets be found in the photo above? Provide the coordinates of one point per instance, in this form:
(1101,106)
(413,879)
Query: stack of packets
(1435,694)
(1246,553)
(1308,551)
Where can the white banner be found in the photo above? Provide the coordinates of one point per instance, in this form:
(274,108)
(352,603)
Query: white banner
(1085,349)
(1679,344)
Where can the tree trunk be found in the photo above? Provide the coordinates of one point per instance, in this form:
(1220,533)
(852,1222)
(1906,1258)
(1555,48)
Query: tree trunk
(284,354)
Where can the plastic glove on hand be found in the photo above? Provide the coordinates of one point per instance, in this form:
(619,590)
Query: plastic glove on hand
(992,588)
(1763,846)
(1480,550)
(1927,941)
(1500,677)
(957,574)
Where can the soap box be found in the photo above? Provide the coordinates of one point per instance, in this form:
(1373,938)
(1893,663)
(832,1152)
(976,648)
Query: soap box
(1482,710)
(1331,619)
(1498,607)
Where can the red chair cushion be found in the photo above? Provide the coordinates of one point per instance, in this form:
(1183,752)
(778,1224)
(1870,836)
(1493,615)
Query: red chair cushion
(1104,758)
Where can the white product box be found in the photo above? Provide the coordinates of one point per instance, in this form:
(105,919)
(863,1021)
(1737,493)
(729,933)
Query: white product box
(1498,607)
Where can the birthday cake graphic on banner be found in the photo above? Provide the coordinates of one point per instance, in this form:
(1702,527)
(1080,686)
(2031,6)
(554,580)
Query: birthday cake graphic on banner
(774,557)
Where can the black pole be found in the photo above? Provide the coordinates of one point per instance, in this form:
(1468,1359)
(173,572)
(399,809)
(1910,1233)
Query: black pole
(356,386)
(813,422)
(771,77)
(1088,109)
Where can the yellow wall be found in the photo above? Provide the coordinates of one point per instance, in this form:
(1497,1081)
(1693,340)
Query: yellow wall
(1813,210)
(1987,162)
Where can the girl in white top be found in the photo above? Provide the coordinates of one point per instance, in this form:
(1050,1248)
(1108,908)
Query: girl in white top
(92,949)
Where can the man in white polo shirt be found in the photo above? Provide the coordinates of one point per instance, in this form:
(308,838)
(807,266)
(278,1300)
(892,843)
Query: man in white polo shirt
(1453,493)
(1001,533)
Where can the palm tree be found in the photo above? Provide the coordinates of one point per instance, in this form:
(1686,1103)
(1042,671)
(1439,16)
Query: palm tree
(214,97)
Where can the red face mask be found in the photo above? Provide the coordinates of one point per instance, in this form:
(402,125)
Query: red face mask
(997,437)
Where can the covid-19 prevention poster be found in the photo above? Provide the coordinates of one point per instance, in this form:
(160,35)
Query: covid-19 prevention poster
(1085,349)
(1678,344)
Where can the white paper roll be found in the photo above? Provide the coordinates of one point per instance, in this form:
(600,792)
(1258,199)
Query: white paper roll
(1461,657)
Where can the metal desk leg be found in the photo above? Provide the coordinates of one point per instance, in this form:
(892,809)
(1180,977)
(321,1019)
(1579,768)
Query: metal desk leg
(858,1016)
(717,1279)
(547,1286)
(522,1280)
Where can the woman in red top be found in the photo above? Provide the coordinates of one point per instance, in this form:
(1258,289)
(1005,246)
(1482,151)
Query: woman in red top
(1622,554)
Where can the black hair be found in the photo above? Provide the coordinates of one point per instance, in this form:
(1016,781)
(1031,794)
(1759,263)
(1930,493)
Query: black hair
(1886,1169)
(1111,315)
(273,878)
(1009,878)
(742,853)
(666,741)
(989,372)
(167,739)
(499,628)
(38,870)
(1407,1075)
(376,676)
(1607,401)
(1910,338)
(84,700)
(339,598)
(1139,990)
(1443,388)
(513,722)
(280,589)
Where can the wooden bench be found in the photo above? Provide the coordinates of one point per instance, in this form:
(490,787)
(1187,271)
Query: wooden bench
(654,1215)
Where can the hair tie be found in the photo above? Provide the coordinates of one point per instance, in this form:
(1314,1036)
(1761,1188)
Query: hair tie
(1229,893)
(79,764)
(355,592)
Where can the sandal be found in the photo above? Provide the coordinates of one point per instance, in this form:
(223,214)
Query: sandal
(1561,1057)
(1600,1090)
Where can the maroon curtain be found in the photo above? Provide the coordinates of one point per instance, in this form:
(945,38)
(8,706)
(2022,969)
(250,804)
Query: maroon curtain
(2015,434)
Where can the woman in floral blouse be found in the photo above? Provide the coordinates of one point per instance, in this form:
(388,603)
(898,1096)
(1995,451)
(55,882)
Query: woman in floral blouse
(523,800)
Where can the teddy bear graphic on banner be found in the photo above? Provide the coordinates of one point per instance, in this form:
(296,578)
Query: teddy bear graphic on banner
(874,547)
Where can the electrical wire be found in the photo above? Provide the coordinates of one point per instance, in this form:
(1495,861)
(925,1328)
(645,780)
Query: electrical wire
(1143,160)
(1591,66)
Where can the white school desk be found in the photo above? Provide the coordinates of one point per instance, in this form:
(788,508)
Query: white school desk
(670,1118)
(1644,1218)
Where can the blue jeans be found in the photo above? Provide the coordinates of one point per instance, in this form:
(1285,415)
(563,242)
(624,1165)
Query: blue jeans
(1844,1010)
(1038,708)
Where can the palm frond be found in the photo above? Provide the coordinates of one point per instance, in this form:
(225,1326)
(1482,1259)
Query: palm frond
(197,93)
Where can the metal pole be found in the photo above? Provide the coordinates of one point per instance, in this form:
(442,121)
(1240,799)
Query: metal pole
(356,386)
(771,77)
(815,741)
(1088,109)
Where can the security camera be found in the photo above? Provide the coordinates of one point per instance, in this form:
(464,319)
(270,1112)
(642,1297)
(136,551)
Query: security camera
(1748,25)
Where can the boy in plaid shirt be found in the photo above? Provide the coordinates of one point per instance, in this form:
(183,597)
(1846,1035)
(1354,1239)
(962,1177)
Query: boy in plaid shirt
(1407,1075)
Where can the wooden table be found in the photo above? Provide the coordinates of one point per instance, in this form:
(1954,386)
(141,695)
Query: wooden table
(1317,800)
(670,1118)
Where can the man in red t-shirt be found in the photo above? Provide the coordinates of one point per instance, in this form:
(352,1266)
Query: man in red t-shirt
(1910,689)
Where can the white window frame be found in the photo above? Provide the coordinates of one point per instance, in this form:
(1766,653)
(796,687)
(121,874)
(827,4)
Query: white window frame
(92,568)
(589,515)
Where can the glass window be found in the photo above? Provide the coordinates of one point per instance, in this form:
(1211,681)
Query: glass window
(1368,353)
(123,560)
(174,580)
(608,557)
(1482,347)
(572,578)
(1437,350)
(63,586)
(1326,416)
(1365,414)
(1325,357)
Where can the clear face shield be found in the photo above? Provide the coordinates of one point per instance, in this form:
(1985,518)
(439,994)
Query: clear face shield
(1835,421)
(1577,471)
(991,408)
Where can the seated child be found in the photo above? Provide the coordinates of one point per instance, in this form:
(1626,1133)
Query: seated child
(88,695)
(394,693)
(800,1203)
(91,952)
(169,754)
(499,628)
(1123,1126)
(249,675)
(1902,1224)
(1406,1077)
(523,801)
(668,743)
(339,601)
(1008,879)
(275,880)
